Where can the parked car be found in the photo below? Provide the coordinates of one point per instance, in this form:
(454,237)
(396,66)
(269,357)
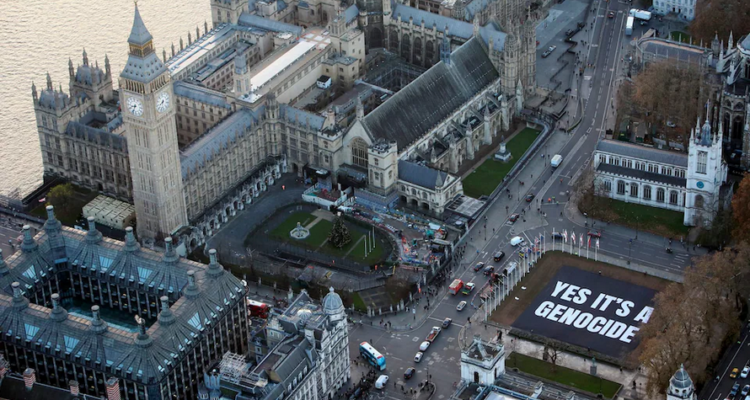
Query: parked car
(478,266)
(425,345)
(461,306)
(671,124)
(498,256)
(595,234)
(746,390)
(644,23)
(529,197)
(409,372)
(735,389)
(447,322)
(513,217)
(381,382)
(418,357)
(611,14)
(489,269)
(734,373)
(546,53)
(557,235)
(517,240)
(745,372)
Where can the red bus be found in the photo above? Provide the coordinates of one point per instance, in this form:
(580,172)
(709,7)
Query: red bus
(258,309)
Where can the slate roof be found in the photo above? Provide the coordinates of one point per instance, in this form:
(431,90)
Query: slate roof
(200,93)
(217,138)
(207,293)
(420,175)
(250,20)
(138,33)
(642,152)
(50,98)
(87,74)
(351,13)
(456,28)
(745,42)
(474,7)
(95,135)
(434,95)
(297,116)
(642,175)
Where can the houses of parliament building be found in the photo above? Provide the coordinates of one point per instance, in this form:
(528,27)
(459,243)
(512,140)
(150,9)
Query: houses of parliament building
(196,132)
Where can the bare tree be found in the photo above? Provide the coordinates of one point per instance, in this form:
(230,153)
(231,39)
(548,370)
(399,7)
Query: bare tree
(551,353)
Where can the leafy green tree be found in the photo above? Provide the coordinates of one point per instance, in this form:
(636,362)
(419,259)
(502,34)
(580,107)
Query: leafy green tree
(61,197)
(339,236)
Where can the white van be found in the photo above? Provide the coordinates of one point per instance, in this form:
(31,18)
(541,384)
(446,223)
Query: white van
(516,241)
(556,161)
(381,382)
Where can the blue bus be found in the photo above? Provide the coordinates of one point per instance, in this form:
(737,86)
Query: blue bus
(372,356)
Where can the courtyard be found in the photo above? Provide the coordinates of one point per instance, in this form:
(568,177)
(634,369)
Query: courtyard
(485,178)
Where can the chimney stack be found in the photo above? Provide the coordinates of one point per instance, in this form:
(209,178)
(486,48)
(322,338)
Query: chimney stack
(29,378)
(74,388)
(113,389)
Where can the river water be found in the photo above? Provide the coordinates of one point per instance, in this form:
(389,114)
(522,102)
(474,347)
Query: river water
(38,36)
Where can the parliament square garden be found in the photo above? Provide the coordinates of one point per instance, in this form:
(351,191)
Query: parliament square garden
(319,223)
(595,308)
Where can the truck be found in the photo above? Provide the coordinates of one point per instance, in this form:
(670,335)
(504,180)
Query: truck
(640,14)
(556,161)
(456,286)
(433,334)
(629,26)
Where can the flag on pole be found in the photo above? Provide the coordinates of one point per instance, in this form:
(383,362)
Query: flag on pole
(589,242)
(565,235)
(573,237)
(597,243)
(580,242)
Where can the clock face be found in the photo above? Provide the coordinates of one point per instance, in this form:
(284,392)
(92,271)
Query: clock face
(162,102)
(700,185)
(135,106)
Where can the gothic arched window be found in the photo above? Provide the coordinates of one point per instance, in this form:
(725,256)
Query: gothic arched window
(359,152)
(699,201)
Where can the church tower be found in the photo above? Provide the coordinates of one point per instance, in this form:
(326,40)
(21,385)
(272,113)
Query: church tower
(706,172)
(681,386)
(149,119)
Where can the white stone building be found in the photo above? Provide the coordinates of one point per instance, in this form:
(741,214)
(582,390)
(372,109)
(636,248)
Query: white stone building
(684,9)
(308,356)
(691,183)
(681,386)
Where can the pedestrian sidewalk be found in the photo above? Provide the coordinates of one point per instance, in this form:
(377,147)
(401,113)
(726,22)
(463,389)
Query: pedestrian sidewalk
(573,214)
(404,321)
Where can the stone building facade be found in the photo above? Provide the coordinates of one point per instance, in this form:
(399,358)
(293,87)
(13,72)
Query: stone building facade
(227,132)
(307,346)
(694,183)
(81,133)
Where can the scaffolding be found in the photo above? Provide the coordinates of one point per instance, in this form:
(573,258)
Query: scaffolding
(232,367)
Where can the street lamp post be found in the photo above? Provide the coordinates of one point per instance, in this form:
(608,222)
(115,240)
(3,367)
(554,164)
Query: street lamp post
(630,246)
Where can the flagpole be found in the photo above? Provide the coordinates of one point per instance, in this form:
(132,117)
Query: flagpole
(588,246)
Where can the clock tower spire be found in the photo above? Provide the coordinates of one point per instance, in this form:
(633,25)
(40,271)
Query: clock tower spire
(149,118)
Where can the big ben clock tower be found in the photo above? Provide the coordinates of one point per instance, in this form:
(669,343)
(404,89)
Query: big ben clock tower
(149,117)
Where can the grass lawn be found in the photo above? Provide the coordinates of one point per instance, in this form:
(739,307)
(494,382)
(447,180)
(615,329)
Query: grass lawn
(483,180)
(358,303)
(680,36)
(659,221)
(74,208)
(565,376)
(319,234)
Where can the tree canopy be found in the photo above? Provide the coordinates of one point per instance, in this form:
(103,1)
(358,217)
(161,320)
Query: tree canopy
(720,17)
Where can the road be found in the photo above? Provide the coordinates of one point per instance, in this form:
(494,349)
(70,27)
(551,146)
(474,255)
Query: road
(539,216)
(442,359)
(736,356)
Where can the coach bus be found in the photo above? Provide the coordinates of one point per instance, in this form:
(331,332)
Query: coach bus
(372,356)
